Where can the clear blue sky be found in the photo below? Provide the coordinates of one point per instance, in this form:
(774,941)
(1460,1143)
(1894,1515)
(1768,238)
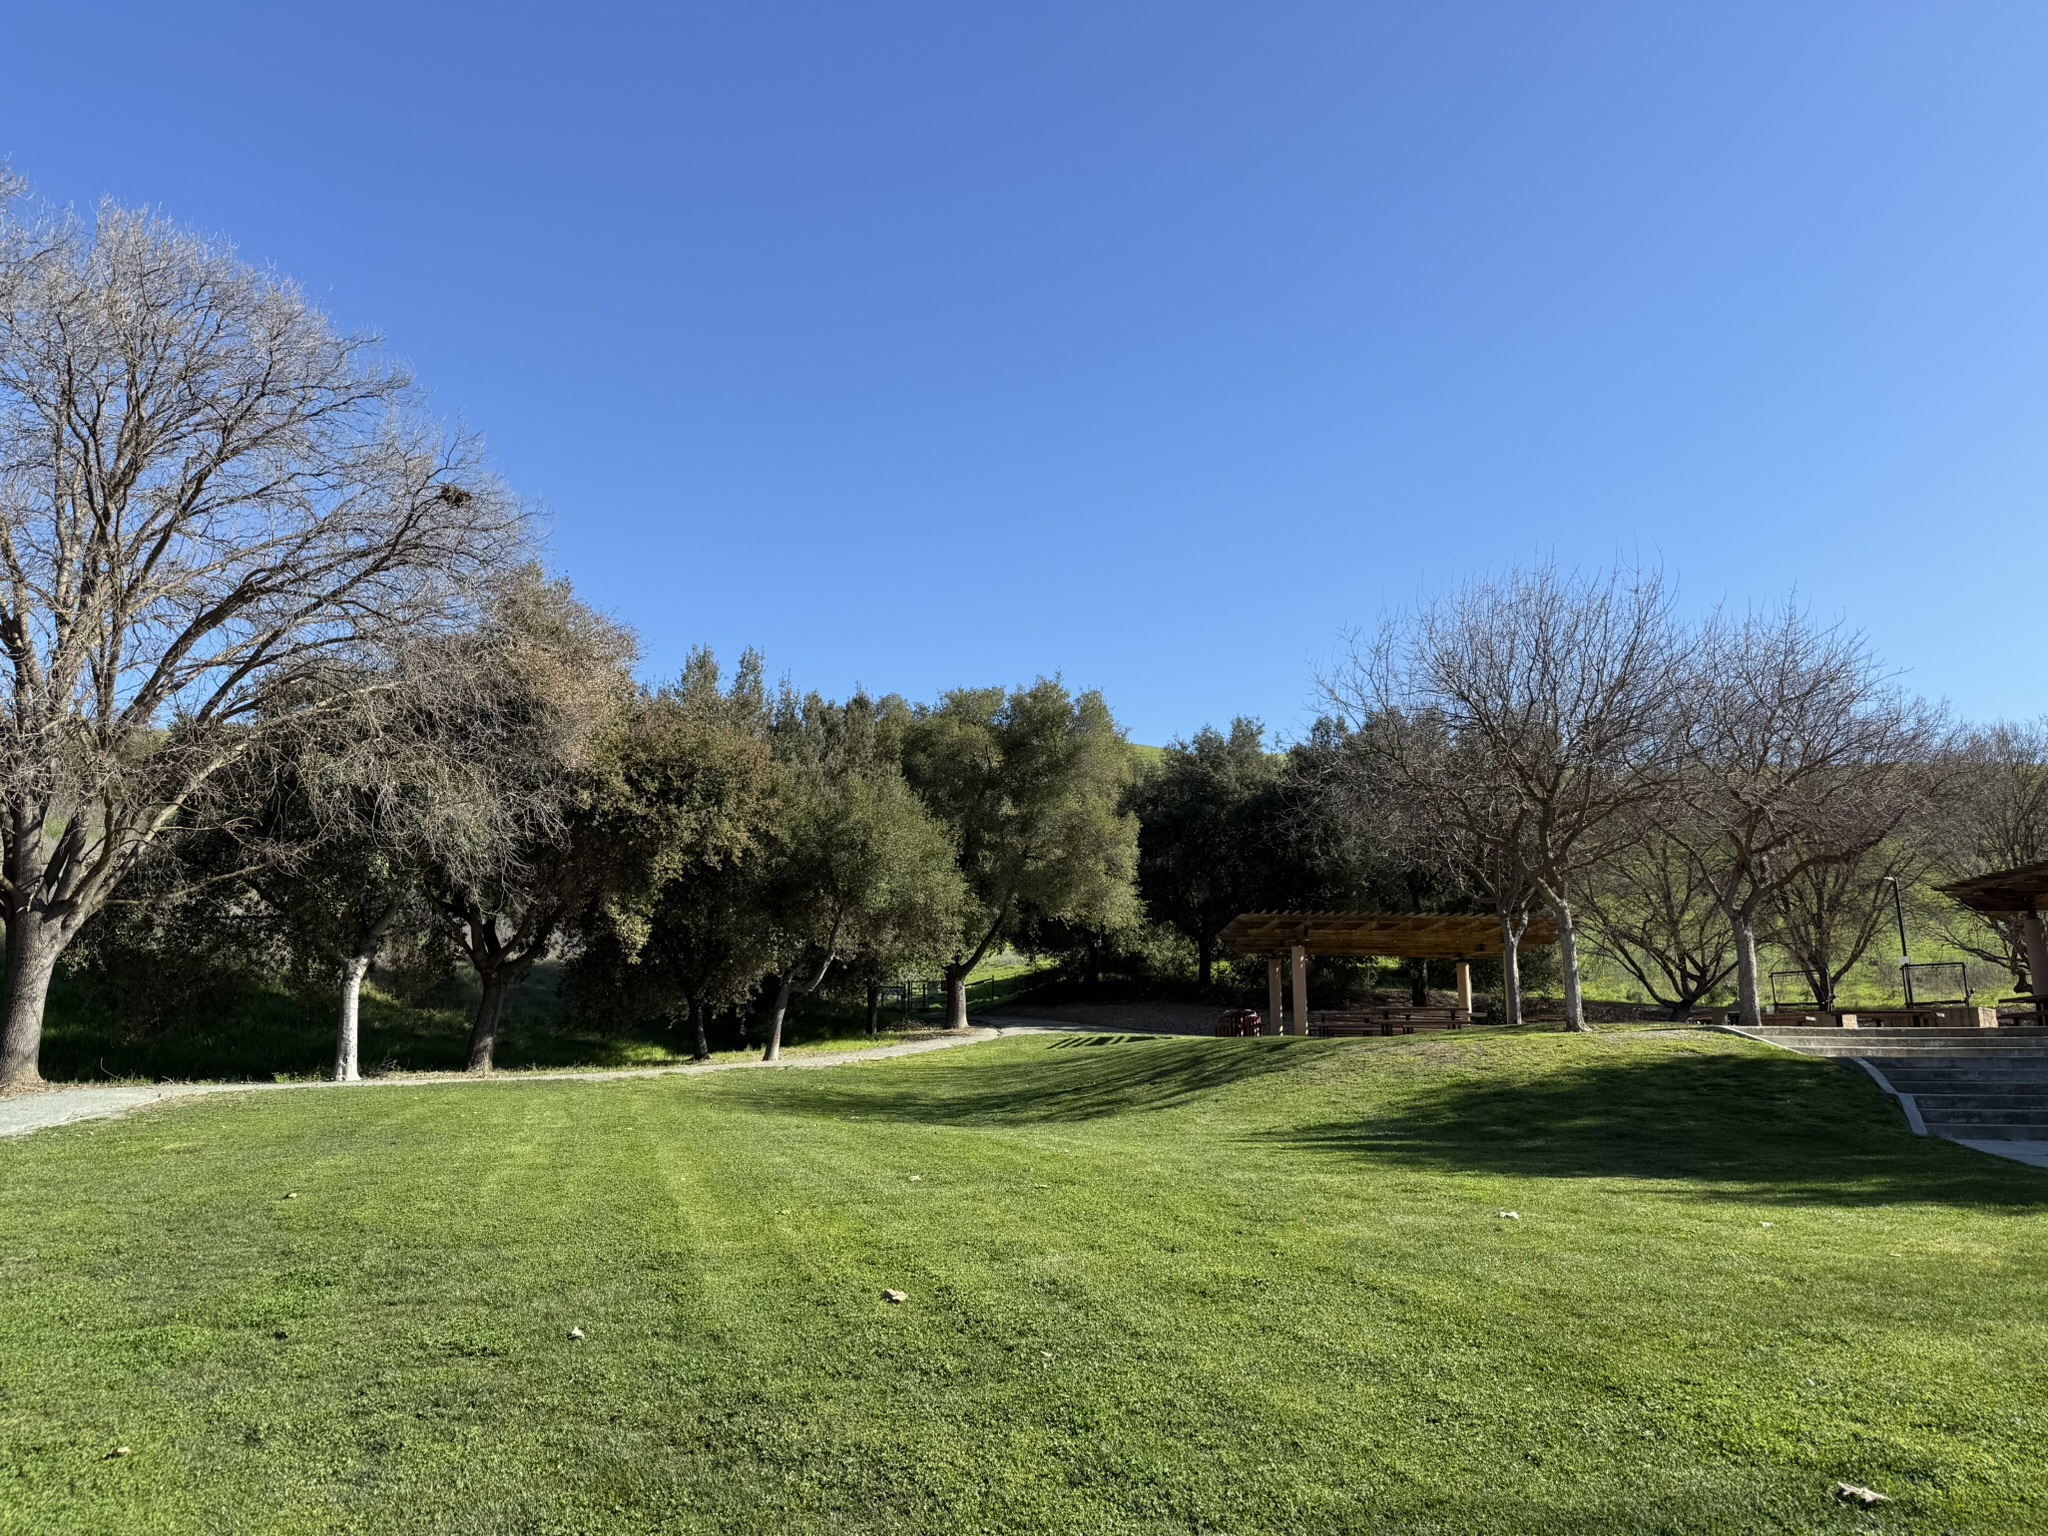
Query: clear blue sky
(1154,344)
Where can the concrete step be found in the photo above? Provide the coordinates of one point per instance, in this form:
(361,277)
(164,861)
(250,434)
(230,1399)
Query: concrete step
(2035,1114)
(2027,1033)
(1896,1044)
(1894,1052)
(2026,1133)
(1983,1078)
(1939,1106)
(1981,1088)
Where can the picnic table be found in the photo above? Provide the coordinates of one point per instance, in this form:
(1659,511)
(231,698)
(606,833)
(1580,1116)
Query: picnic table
(1387,1021)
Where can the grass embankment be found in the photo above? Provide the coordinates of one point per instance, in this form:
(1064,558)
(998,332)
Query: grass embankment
(1154,1285)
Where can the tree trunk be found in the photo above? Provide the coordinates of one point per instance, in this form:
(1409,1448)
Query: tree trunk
(1206,952)
(1747,1001)
(368,937)
(782,996)
(790,986)
(956,997)
(33,945)
(490,1012)
(348,1046)
(1510,971)
(1568,962)
(874,1009)
(1418,983)
(700,1014)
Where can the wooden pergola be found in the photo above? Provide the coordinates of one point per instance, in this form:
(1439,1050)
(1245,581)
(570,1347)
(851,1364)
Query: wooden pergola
(1294,936)
(2021,893)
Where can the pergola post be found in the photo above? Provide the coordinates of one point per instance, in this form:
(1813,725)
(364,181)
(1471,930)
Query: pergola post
(2037,953)
(1300,990)
(1465,986)
(1275,1017)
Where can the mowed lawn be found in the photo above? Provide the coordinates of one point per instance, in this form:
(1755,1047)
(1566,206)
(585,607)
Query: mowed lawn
(1154,1286)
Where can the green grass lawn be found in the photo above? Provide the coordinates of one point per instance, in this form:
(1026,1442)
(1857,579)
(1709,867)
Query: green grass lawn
(1155,1285)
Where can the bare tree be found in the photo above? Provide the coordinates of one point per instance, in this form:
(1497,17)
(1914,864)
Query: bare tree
(2000,821)
(215,510)
(1827,916)
(1418,797)
(1555,690)
(1800,752)
(1654,913)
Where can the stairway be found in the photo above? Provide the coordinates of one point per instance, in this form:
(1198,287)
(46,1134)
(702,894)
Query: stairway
(1984,1088)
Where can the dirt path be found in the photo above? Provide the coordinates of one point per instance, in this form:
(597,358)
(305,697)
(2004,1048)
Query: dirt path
(37,1111)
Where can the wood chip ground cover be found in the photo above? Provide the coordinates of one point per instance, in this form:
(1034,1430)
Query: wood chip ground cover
(1155,1285)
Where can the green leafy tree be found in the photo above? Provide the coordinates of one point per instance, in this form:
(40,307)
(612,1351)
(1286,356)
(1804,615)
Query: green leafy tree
(547,704)
(860,864)
(1031,785)
(696,791)
(1209,829)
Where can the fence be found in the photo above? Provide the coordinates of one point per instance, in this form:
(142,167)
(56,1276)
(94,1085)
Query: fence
(912,999)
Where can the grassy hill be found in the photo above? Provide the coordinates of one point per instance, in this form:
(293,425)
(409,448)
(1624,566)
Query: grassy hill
(1153,1285)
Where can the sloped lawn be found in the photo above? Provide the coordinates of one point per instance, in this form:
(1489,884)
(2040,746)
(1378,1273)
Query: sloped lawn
(1154,1286)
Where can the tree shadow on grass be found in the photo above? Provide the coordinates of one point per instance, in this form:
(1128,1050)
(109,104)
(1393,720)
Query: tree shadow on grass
(1751,1127)
(1074,1078)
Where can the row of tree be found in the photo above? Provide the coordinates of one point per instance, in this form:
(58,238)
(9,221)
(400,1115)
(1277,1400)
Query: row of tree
(282,675)
(505,792)
(278,662)
(1695,790)
(1675,796)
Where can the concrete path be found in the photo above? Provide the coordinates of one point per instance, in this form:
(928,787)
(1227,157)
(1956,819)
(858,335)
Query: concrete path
(2033,1153)
(41,1109)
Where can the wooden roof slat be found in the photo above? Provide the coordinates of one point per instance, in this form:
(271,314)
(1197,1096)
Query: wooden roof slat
(2004,890)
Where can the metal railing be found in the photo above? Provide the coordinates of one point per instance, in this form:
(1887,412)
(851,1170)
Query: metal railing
(1935,981)
(1780,1004)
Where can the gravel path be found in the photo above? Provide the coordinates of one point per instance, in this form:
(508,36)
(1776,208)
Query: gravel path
(38,1110)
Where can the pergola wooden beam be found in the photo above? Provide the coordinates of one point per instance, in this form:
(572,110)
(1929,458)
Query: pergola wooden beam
(2021,893)
(1382,935)
(1289,938)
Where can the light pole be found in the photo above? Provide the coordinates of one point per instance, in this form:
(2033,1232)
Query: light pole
(1905,951)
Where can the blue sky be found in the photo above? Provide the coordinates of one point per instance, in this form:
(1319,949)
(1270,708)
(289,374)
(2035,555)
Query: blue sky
(1156,344)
